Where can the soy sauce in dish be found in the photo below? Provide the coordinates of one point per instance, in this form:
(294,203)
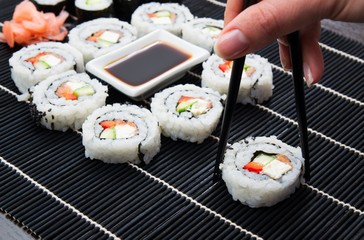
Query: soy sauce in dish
(142,66)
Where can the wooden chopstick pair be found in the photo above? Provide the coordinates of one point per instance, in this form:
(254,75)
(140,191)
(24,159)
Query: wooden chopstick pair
(298,82)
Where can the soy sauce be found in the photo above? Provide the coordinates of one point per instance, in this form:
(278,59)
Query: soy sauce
(147,63)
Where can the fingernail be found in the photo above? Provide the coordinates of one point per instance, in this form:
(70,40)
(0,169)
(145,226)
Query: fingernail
(231,44)
(308,74)
(286,63)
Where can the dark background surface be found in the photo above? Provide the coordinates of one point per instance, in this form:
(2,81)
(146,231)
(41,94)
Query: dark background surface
(174,196)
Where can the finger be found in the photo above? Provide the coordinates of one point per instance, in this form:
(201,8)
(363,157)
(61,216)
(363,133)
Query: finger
(313,64)
(264,22)
(284,56)
(233,8)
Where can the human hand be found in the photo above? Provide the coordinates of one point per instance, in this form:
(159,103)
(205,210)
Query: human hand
(259,25)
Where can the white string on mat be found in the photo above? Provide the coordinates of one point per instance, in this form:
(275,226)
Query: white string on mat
(217,3)
(336,93)
(196,202)
(347,55)
(334,199)
(8,91)
(50,193)
(311,130)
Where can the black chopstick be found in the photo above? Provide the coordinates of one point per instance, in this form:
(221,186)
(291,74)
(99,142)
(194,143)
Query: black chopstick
(232,96)
(298,82)
(234,85)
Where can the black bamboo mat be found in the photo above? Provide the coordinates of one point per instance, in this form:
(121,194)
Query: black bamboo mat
(54,192)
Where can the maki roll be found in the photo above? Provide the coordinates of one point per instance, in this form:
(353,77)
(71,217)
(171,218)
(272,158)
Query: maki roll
(64,101)
(100,36)
(91,9)
(36,62)
(187,112)
(121,133)
(167,16)
(262,171)
(202,32)
(256,82)
(54,6)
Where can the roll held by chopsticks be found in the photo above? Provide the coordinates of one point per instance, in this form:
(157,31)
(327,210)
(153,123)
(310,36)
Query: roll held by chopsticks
(298,80)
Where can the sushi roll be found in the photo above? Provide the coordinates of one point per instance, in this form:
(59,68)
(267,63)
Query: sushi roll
(167,16)
(36,62)
(187,112)
(100,36)
(262,171)
(256,83)
(121,133)
(63,101)
(91,9)
(202,32)
(54,6)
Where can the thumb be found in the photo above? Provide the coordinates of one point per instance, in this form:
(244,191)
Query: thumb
(264,22)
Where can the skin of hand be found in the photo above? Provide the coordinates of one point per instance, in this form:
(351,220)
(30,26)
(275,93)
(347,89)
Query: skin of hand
(269,20)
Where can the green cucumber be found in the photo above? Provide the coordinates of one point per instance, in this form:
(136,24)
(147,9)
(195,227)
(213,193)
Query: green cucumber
(108,133)
(86,90)
(182,107)
(90,2)
(104,43)
(41,65)
(163,14)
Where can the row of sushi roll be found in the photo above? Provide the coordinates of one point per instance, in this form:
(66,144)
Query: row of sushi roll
(257,171)
(85,10)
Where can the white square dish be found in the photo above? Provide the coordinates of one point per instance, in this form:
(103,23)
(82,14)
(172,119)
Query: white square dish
(148,64)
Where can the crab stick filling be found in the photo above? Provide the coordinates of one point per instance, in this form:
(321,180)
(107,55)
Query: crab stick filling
(272,165)
(105,38)
(116,129)
(197,106)
(162,17)
(45,60)
(73,89)
(225,67)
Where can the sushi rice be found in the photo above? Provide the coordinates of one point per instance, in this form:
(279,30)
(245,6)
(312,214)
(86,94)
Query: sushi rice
(268,186)
(36,62)
(121,133)
(256,83)
(202,32)
(112,32)
(55,110)
(168,16)
(193,119)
